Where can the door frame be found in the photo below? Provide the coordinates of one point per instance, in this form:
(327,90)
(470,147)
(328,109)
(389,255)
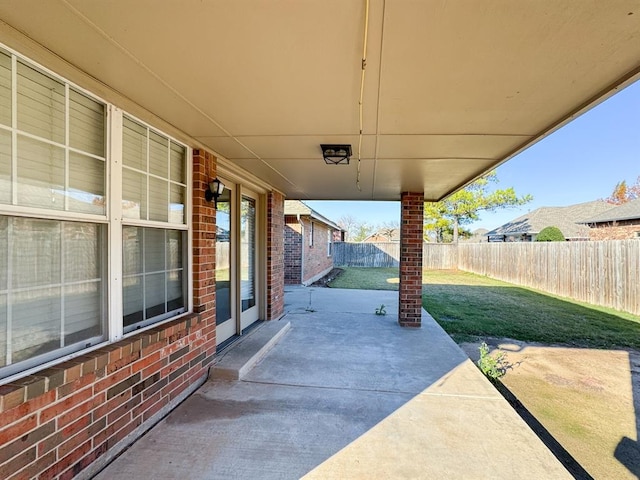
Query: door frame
(238,321)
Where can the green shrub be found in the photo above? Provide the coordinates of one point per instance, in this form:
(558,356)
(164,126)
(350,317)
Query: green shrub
(550,234)
(493,367)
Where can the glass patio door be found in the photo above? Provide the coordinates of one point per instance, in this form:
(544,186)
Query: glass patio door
(225,250)
(237,286)
(248,261)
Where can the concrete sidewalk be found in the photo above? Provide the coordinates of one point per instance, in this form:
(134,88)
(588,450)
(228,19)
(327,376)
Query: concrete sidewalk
(345,394)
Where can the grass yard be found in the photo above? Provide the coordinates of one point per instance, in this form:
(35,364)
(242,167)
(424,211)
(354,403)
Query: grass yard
(367,279)
(468,305)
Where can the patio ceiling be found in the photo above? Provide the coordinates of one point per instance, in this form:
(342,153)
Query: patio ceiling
(451,90)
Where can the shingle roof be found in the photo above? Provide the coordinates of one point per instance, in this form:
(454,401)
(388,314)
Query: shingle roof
(565,218)
(626,211)
(296,207)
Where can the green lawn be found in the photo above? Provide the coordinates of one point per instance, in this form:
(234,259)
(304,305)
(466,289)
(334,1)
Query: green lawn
(470,306)
(367,279)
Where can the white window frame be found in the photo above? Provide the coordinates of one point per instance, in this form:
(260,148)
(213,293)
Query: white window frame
(329,242)
(111,220)
(186,226)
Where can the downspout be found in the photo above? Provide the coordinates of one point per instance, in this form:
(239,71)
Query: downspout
(301,249)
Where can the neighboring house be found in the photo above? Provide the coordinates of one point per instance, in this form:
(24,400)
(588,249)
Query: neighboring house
(526,227)
(384,235)
(617,223)
(308,243)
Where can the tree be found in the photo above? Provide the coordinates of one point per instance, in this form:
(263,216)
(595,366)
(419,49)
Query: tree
(356,229)
(348,224)
(622,193)
(550,234)
(387,230)
(463,207)
(362,231)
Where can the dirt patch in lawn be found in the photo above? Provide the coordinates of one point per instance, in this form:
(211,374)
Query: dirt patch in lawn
(587,399)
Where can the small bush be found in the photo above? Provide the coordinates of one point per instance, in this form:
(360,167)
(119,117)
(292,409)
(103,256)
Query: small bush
(493,367)
(550,234)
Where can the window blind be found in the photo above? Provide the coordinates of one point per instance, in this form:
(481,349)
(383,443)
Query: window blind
(5,167)
(5,89)
(41,104)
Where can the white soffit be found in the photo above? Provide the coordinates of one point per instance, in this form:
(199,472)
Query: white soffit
(451,88)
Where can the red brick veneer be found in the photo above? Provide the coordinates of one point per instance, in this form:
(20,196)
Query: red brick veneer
(410,305)
(78,414)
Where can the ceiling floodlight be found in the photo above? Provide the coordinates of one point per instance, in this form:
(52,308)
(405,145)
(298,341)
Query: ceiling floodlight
(336,154)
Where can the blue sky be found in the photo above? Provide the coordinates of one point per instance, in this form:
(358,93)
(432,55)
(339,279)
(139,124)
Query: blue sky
(581,162)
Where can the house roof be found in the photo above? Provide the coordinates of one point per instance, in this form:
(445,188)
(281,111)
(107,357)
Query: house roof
(626,211)
(452,89)
(296,207)
(565,218)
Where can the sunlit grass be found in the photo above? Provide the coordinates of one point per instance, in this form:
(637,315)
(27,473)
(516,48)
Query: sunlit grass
(367,279)
(468,305)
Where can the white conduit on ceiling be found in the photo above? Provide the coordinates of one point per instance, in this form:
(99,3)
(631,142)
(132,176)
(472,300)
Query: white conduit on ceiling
(364,66)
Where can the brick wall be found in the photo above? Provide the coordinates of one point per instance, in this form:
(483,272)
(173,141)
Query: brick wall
(73,418)
(618,232)
(292,251)
(410,306)
(316,262)
(305,263)
(275,255)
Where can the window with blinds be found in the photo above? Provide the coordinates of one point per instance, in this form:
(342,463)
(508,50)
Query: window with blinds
(53,283)
(153,193)
(55,256)
(153,176)
(153,268)
(60,144)
(52,271)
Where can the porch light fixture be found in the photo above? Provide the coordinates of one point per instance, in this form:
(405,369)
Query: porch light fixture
(336,154)
(213,191)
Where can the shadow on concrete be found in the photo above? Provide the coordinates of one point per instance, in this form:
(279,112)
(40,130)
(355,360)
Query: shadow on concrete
(345,394)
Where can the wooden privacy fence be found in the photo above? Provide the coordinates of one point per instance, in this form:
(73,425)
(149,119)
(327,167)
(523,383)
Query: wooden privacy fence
(605,273)
(366,254)
(439,256)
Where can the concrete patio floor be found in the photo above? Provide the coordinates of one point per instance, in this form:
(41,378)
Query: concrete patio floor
(344,394)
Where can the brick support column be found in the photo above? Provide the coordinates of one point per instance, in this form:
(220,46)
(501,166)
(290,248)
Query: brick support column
(275,255)
(204,238)
(410,304)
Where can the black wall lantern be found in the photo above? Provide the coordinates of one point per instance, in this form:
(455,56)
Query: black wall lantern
(336,154)
(213,191)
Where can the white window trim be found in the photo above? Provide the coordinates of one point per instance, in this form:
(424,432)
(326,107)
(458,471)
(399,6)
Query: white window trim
(115,327)
(112,217)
